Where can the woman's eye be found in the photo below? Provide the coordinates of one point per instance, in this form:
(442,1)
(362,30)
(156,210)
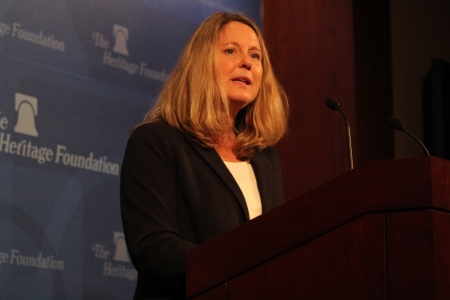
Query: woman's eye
(255,55)
(229,51)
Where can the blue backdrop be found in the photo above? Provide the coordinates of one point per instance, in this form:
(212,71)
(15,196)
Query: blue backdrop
(75,76)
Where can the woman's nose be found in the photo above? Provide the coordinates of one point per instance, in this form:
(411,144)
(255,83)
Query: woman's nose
(246,63)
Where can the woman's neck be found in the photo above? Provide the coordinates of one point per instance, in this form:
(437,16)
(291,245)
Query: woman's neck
(224,145)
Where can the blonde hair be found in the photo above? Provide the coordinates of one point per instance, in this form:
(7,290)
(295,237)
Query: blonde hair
(194,101)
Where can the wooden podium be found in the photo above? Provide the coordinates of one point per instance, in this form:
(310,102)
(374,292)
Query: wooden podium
(380,231)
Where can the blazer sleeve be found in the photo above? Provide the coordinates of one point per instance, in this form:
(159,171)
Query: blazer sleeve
(148,207)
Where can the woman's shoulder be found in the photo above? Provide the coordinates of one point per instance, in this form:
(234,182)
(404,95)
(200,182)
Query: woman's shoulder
(268,152)
(159,135)
(159,129)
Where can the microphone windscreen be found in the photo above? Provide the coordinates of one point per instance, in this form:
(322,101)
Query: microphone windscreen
(395,123)
(331,103)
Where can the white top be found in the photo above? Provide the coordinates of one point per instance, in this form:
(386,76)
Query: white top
(245,178)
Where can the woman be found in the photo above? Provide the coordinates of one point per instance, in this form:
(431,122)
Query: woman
(202,161)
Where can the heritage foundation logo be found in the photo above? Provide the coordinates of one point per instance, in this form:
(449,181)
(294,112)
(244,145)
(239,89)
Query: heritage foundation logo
(27,109)
(28,35)
(40,261)
(110,266)
(121,37)
(121,247)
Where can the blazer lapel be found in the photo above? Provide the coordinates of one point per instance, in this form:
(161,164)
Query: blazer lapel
(213,159)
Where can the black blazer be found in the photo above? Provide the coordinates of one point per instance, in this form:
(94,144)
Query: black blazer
(176,194)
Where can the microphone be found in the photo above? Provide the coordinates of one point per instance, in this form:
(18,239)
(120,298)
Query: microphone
(334,105)
(397,125)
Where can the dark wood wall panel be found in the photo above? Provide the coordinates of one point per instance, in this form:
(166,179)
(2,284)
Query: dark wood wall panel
(312,46)
(373,70)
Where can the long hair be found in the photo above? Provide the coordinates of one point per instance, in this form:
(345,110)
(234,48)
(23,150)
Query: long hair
(194,101)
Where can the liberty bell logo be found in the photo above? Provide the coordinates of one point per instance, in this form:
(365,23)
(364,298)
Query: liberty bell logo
(121,248)
(121,35)
(27,108)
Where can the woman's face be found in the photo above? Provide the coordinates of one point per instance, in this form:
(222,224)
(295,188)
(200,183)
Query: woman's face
(240,67)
